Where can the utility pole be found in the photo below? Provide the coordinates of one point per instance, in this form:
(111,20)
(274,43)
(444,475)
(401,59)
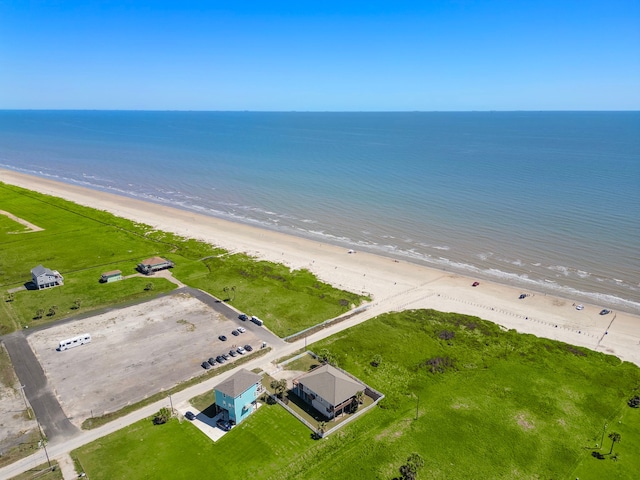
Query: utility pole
(171,403)
(44,443)
(26,406)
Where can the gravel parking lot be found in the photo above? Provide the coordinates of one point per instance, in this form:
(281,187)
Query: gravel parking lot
(134,352)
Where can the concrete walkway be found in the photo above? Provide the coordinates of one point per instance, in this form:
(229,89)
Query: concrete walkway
(67,468)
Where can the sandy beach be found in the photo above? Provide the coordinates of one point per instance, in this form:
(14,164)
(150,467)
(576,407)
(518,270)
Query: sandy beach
(393,285)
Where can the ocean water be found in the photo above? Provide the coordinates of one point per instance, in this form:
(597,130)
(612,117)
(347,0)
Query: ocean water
(549,201)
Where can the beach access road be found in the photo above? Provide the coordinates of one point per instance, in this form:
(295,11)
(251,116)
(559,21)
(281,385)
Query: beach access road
(135,351)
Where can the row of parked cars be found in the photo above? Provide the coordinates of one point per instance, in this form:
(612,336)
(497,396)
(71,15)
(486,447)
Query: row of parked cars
(220,359)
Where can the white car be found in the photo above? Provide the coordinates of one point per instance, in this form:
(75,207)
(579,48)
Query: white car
(241,329)
(579,307)
(241,351)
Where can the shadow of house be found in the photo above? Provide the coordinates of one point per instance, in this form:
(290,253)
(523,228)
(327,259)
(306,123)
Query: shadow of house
(42,277)
(328,390)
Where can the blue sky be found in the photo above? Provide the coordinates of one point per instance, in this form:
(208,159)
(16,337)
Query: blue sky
(327,56)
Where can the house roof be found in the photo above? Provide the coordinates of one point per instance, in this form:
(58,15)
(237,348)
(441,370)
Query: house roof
(238,383)
(331,384)
(154,261)
(112,273)
(40,270)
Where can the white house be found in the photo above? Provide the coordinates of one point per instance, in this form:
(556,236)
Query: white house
(44,278)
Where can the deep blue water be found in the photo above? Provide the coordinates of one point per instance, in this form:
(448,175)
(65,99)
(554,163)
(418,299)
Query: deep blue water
(546,200)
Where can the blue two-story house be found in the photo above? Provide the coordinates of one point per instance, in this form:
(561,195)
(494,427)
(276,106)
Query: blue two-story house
(238,395)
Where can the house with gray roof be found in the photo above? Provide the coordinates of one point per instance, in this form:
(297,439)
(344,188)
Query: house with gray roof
(327,389)
(238,395)
(44,278)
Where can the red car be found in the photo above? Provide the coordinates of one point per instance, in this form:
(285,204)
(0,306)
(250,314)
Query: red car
(475,284)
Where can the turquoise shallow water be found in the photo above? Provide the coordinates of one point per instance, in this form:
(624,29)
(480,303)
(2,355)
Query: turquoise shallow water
(548,201)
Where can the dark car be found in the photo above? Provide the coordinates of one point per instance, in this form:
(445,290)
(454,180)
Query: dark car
(248,348)
(522,295)
(605,311)
(190,416)
(225,356)
(220,359)
(235,333)
(243,317)
(223,425)
(223,338)
(205,365)
(212,361)
(475,284)
(232,353)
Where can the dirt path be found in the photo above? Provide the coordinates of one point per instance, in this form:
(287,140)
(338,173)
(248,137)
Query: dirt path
(30,226)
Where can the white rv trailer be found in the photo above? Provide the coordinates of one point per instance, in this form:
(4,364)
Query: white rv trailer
(74,342)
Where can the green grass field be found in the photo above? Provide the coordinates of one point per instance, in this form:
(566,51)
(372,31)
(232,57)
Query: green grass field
(503,406)
(82,243)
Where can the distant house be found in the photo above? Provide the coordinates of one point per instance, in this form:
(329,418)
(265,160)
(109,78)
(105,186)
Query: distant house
(238,395)
(154,264)
(44,278)
(112,276)
(327,389)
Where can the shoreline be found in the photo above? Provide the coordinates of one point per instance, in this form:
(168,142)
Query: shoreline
(393,284)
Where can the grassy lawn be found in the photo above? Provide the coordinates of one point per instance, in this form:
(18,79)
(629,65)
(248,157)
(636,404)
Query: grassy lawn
(82,243)
(253,449)
(503,406)
(42,472)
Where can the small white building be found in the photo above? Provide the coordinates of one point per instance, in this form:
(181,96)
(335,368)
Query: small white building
(44,278)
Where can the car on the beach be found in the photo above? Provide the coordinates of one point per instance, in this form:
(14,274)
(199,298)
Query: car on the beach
(580,307)
(475,284)
(223,425)
(190,416)
(248,348)
(605,311)
(223,338)
(241,350)
(241,329)
(205,365)
(211,361)
(243,317)
(522,295)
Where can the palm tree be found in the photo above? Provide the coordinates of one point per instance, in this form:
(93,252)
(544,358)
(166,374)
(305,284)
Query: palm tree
(615,437)
(149,286)
(360,397)
(233,289)
(226,292)
(76,303)
(39,313)
(52,310)
(322,426)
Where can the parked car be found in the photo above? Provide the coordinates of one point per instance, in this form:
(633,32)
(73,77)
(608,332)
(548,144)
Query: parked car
(580,307)
(190,416)
(235,333)
(223,425)
(205,365)
(241,329)
(223,338)
(522,295)
(220,359)
(256,320)
(475,284)
(243,317)
(241,350)
(233,353)
(605,311)
(211,361)
(225,356)
(248,348)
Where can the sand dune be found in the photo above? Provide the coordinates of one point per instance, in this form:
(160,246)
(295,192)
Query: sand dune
(393,285)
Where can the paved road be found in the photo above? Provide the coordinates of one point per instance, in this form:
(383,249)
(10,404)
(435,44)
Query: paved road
(62,446)
(45,405)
